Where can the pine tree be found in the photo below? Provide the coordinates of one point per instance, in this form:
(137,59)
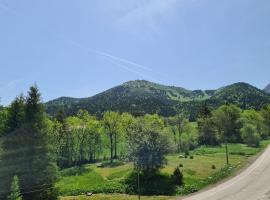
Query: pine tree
(11,144)
(27,151)
(42,171)
(15,190)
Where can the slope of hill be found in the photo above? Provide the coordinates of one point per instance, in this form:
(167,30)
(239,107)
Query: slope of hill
(242,94)
(267,89)
(141,97)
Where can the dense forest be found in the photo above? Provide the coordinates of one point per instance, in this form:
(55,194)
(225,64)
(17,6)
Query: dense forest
(35,145)
(142,97)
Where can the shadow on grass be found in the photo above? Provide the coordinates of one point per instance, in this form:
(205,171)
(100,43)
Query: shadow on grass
(115,163)
(158,184)
(75,171)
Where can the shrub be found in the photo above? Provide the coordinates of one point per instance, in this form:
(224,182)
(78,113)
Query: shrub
(191,157)
(181,165)
(250,135)
(213,167)
(177,177)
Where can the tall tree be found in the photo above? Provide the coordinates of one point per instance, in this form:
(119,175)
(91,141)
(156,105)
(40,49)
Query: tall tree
(227,121)
(265,112)
(206,127)
(41,171)
(147,146)
(27,151)
(16,114)
(111,124)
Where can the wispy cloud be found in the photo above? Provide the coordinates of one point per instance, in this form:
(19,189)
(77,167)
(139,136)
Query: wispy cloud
(6,8)
(144,15)
(13,84)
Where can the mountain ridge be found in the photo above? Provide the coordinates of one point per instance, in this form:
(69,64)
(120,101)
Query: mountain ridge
(140,97)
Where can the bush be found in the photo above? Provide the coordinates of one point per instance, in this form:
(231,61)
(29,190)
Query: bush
(181,165)
(177,177)
(250,135)
(191,157)
(213,167)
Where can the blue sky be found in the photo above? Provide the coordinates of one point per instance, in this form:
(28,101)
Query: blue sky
(79,48)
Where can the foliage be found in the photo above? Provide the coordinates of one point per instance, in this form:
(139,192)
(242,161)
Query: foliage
(26,149)
(227,122)
(147,145)
(265,112)
(15,193)
(250,135)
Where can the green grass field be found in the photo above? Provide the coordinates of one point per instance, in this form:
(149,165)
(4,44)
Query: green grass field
(198,173)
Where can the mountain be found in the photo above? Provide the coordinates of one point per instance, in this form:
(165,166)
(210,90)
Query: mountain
(243,95)
(140,97)
(267,89)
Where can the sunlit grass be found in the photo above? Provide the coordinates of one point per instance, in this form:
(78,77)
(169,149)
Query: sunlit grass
(90,178)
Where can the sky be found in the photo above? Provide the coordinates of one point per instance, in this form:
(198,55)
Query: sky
(79,48)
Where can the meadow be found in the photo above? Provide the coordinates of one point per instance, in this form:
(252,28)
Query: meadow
(202,167)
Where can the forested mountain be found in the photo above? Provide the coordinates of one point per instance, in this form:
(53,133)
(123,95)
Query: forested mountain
(140,97)
(267,89)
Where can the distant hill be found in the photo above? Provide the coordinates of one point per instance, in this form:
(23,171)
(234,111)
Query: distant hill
(140,97)
(267,89)
(243,95)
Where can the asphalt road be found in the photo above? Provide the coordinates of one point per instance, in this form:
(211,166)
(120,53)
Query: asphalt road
(251,184)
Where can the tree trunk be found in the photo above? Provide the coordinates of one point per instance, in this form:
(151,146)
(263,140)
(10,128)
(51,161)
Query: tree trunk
(111,143)
(139,187)
(227,155)
(115,146)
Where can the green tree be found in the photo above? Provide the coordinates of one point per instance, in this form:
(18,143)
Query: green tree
(15,193)
(250,135)
(265,112)
(207,131)
(3,119)
(111,125)
(40,169)
(147,146)
(178,126)
(254,118)
(16,114)
(228,124)
(27,151)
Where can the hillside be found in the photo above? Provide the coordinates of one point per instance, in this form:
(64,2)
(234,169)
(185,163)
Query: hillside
(267,89)
(140,97)
(242,94)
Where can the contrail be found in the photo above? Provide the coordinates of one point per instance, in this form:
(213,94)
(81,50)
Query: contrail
(118,61)
(110,56)
(113,59)
(127,68)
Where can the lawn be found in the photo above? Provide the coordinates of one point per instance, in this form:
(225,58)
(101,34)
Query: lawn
(206,167)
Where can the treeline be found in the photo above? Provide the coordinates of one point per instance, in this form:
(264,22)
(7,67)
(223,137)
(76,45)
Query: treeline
(84,138)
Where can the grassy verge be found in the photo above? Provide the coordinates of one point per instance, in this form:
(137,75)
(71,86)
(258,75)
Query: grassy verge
(204,166)
(114,197)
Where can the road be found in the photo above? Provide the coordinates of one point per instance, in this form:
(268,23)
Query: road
(251,184)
